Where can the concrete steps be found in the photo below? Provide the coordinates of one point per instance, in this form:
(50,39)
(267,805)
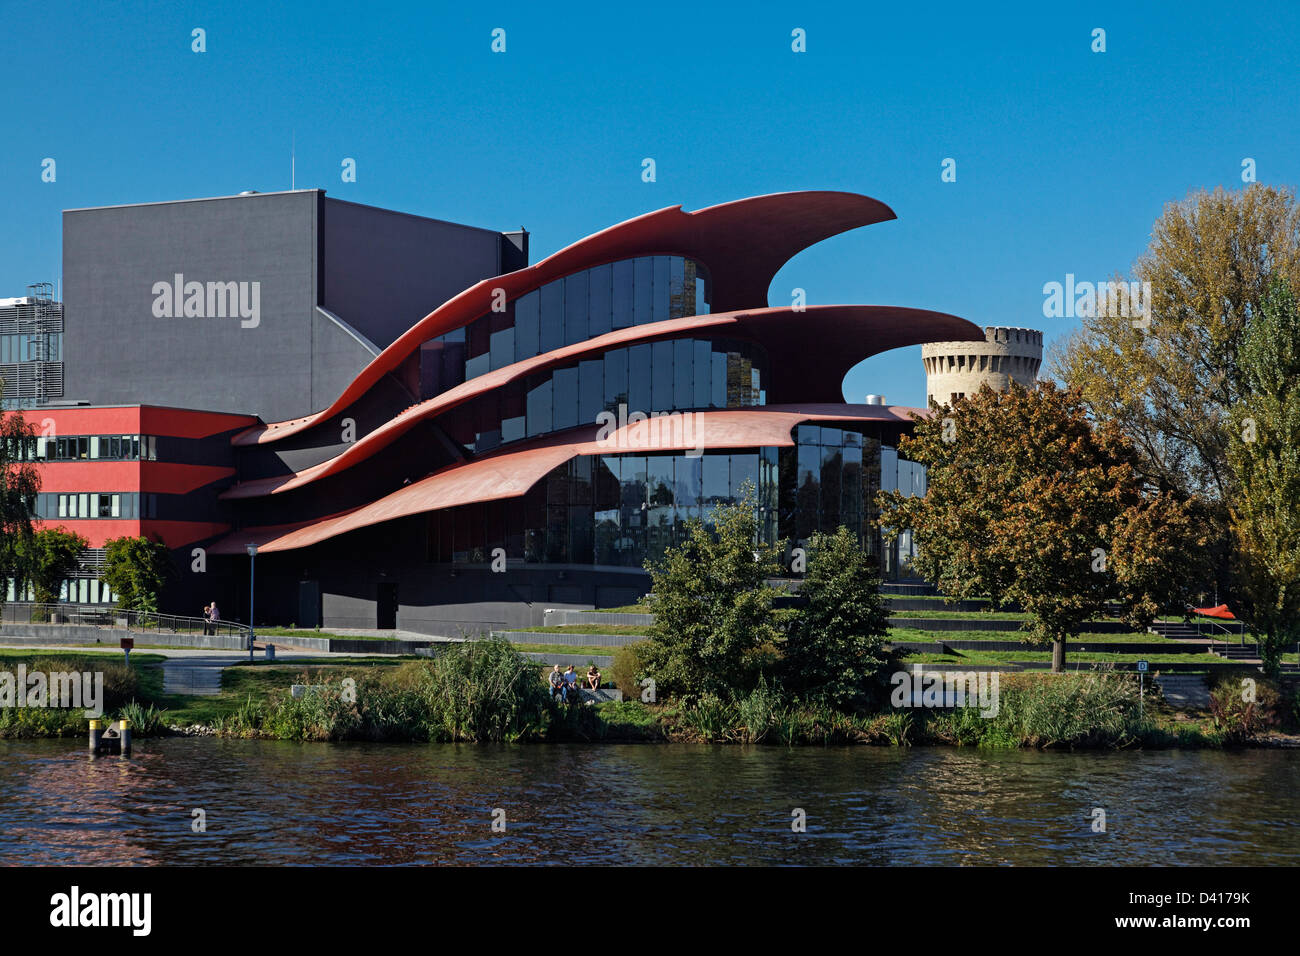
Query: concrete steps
(200,676)
(1185,691)
(1237,652)
(1175,632)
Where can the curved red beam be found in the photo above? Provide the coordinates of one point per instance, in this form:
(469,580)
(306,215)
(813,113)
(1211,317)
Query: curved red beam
(743,244)
(844,335)
(510,473)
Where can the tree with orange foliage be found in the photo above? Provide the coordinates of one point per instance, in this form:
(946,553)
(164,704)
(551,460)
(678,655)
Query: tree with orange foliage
(1029,503)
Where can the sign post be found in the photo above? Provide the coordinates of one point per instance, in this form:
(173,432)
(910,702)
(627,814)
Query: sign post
(127,644)
(1142,673)
(252,560)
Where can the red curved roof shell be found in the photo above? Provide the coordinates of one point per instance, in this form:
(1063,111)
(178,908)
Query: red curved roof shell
(743,244)
(511,472)
(843,335)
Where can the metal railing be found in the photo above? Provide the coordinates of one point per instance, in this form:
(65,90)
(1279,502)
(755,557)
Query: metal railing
(116,619)
(1212,628)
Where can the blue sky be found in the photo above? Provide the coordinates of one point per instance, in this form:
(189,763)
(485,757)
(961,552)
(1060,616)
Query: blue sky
(1064,156)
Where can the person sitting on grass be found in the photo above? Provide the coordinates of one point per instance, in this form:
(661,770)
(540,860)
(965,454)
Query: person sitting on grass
(556,681)
(571,685)
(593,677)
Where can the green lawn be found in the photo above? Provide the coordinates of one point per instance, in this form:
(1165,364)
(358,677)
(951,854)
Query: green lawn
(916,634)
(241,681)
(1071,658)
(965,615)
(610,629)
(113,655)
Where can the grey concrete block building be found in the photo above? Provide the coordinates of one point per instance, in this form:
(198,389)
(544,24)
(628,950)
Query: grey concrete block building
(283,297)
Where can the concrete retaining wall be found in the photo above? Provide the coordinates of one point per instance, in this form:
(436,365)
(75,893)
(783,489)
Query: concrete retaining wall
(564,660)
(556,617)
(56,634)
(976,624)
(577,640)
(919,604)
(1071,647)
(339,645)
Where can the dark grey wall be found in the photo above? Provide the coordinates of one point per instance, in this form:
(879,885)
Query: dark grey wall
(477,600)
(350,570)
(385,270)
(117,352)
(376,270)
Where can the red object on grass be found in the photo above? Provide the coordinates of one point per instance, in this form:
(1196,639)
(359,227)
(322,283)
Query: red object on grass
(1220,611)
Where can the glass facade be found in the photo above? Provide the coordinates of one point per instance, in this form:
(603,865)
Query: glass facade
(831,478)
(822,483)
(620,510)
(614,510)
(564,312)
(658,376)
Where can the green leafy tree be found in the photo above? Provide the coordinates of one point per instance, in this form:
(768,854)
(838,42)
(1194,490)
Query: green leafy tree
(714,628)
(1264,454)
(834,648)
(1171,382)
(47,559)
(1170,379)
(135,569)
(1029,503)
(20,482)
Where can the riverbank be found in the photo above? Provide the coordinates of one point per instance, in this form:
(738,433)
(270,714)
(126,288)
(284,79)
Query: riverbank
(409,700)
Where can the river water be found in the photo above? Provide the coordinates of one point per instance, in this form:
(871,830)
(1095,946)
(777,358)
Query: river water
(283,803)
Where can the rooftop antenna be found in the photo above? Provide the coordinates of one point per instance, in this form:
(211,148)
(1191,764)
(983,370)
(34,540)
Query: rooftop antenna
(293,161)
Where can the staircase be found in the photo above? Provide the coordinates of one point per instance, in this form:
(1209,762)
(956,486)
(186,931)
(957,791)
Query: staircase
(1177,631)
(1185,692)
(1226,645)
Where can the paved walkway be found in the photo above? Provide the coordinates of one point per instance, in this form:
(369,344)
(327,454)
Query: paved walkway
(190,671)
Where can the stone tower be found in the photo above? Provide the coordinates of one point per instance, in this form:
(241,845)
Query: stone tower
(957,369)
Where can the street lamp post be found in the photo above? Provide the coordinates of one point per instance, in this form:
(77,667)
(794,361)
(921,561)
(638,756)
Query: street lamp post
(252,555)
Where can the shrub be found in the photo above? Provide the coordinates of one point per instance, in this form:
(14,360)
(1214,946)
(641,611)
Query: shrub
(628,720)
(714,629)
(146,721)
(485,691)
(47,559)
(1240,711)
(136,569)
(474,691)
(630,667)
(711,717)
(897,728)
(834,648)
(121,683)
(1088,709)
(41,722)
(758,712)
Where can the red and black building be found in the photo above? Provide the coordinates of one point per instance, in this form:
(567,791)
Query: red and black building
(417,429)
